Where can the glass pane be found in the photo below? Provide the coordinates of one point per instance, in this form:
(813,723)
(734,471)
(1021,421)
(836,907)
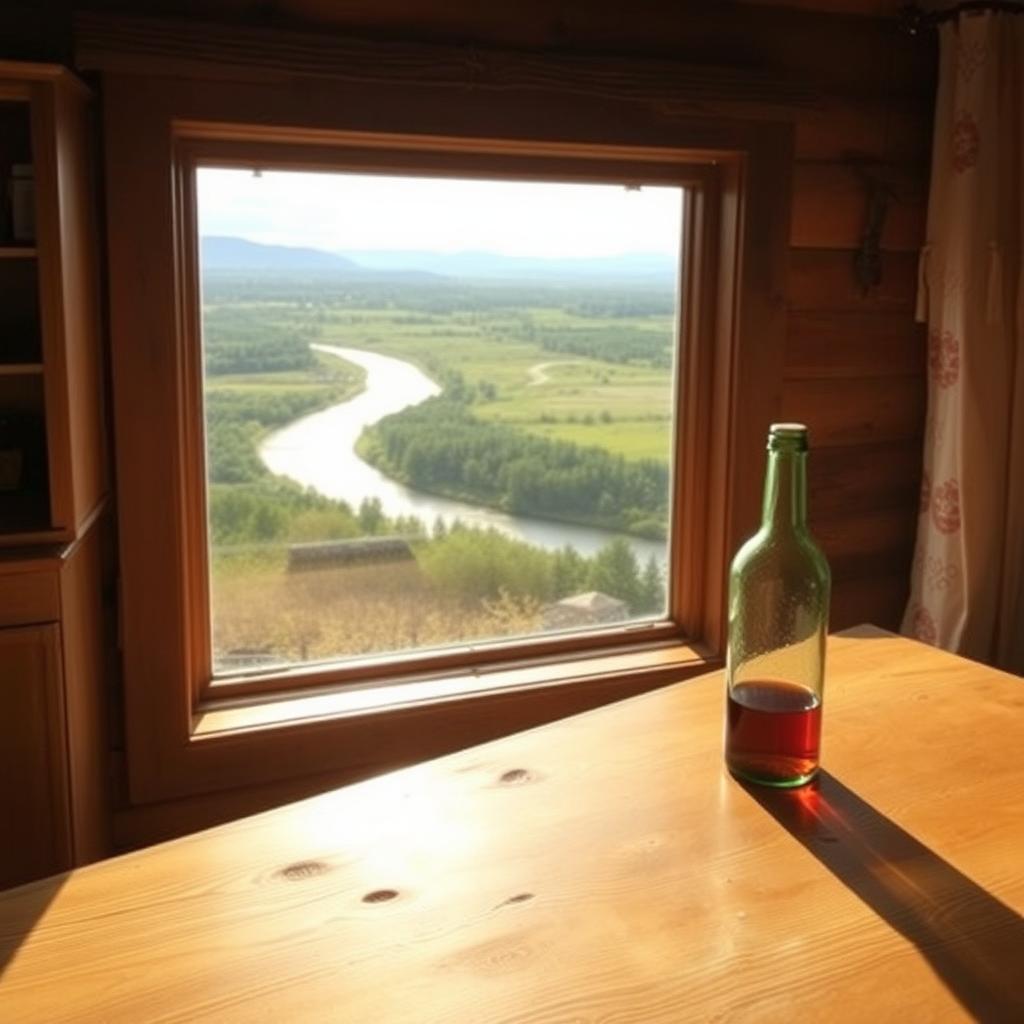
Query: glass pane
(438,411)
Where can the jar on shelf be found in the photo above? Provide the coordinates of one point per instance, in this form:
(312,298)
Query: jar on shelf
(12,453)
(23,203)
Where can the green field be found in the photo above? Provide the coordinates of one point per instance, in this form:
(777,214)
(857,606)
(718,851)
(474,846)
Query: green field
(241,408)
(327,381)
(624,408)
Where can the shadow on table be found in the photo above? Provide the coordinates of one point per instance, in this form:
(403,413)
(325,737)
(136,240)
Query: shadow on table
(20,911)
(973,942)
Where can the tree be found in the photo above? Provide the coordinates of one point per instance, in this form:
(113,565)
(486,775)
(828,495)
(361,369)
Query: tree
(615,572)
(440,447)
(651,596)
(568,572)
(371,515)
(268,522)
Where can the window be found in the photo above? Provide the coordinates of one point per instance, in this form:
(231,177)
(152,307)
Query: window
(208,712)
(439,411)
(437,391)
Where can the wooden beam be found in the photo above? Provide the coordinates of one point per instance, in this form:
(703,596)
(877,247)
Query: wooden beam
(133,45)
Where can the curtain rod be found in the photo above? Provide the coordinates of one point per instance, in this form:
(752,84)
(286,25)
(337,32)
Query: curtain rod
(916,18)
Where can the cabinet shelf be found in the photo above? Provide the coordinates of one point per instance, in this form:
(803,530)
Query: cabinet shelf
(20,369)
(53,674)
(51,374)
(24,513)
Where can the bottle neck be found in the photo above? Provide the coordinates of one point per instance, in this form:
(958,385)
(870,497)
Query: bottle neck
(785,491)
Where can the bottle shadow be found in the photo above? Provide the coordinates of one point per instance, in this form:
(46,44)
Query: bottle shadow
(973,941)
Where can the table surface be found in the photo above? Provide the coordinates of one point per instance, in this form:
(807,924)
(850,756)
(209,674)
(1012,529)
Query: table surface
(603,868)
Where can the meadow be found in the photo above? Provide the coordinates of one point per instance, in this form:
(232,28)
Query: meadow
(622,407)
(242,407)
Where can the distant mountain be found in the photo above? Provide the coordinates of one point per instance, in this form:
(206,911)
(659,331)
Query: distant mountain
(221,252)
(492,266)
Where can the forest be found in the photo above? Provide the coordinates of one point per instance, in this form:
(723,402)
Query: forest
(440,447)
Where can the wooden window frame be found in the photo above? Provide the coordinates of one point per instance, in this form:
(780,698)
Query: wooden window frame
(205,145)
(187,734)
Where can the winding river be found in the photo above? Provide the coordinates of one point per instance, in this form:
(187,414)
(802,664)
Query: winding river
(318,451)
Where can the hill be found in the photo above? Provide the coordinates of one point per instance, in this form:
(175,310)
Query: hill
(221,252)
(632,267)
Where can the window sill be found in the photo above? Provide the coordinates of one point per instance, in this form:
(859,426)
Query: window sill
(616,675)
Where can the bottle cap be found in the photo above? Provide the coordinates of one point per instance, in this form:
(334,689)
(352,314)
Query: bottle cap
(792,436)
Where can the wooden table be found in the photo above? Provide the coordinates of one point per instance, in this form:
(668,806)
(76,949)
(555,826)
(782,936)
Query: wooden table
(603,868)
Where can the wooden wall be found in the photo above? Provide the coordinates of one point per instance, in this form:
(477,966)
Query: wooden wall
(854,362)
(854,369)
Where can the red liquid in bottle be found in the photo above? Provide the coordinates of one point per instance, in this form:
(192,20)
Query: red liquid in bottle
(773,732)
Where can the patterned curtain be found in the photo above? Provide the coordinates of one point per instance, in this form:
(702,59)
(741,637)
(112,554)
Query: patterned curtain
(967,585)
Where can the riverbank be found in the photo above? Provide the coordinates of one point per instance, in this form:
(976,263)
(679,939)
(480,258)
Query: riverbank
(243,408)
(500,468)
(320,452)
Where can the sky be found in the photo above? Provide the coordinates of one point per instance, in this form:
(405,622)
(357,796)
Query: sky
(339,212)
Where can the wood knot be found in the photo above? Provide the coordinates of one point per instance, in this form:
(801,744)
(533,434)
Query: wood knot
(380,896)
(515,777)
(520,897)
(303,869)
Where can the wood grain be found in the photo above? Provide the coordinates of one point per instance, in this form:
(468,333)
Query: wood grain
(830,205)
(28,597)
(143,825)
(877,60)
(79,298)
(823,279)
(881,129)
(854,344)
(180,47)
(876,544)
(33,765)
(602,868)
(840,336)
(859,410)
(872,88)
(65,291)
(162,527)
(54,784)
(883,598)
(52,311)
(86,696)
(862,479)
(867,8)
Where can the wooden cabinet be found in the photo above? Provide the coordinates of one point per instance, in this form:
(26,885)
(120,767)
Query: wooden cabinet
(51,464)
(53,750)
(33,789)
(54,786)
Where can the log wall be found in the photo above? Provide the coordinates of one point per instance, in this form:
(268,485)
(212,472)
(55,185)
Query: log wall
(855,360)
(854,367)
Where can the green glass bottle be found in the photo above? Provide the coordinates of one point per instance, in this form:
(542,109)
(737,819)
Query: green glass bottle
(778,617)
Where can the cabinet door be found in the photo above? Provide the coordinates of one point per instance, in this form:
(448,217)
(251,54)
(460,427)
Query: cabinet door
(33,772)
